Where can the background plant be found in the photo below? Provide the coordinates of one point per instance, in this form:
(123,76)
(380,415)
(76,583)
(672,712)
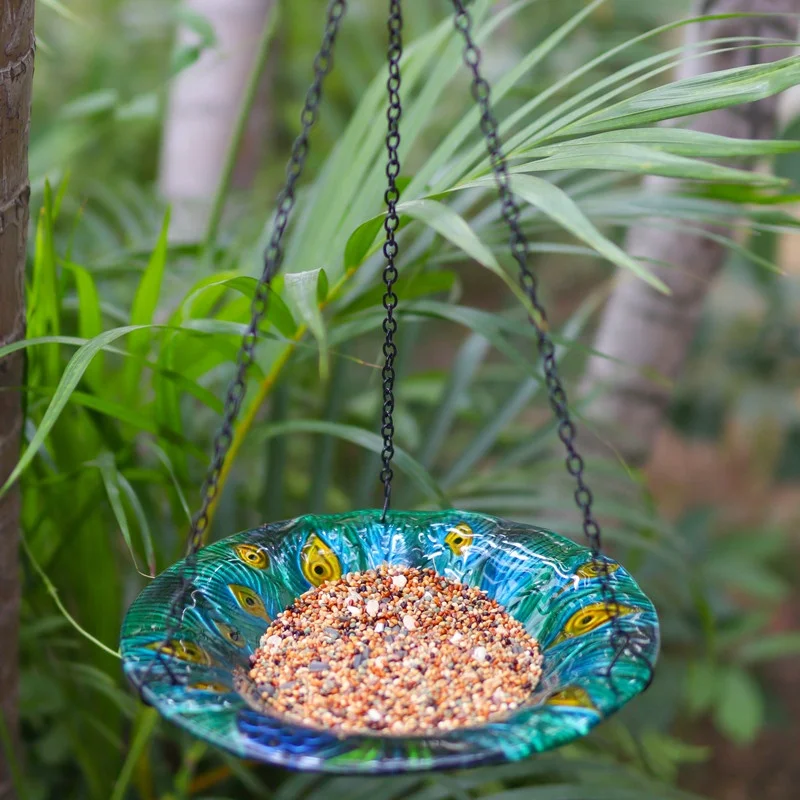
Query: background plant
(131,340)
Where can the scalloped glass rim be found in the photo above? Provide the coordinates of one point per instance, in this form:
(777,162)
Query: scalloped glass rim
(543,579)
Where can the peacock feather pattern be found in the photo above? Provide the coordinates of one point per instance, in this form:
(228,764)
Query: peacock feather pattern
(237,585)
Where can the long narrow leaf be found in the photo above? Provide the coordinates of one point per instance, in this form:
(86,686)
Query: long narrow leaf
(695,95)
(367,440)
(642,160)
(679,141)
(69,380)
(559,206)
(144,305)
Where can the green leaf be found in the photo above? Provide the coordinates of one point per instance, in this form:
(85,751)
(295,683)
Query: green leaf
(695,95)
(469,358)
(741,575)
(302,289)
(278,312)
(367,440)
(145,302)
(143,732)
(103,101)
(167,404)
(453,227)
(90,319)
(702,686)
(512,405)
(407,288)
(491,326)
(141,518)
(190,52)
(642,160)
(53,592)
(110,475)
(460,132)
(679,141)
(561,208)
(72,375)
(361,242)
(771,647)
(322,287)
(739,712)
(43,297)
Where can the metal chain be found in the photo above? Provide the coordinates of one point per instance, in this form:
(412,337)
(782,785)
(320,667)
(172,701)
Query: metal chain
(273,257)
(557,396)
(390,224)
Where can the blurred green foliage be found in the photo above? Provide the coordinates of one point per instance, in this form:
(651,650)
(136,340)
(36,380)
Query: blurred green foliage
(131,340)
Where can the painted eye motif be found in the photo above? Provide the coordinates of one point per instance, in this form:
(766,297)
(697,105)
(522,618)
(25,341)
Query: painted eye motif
(318,562)
(592,570)
(252,555)
(203,686)
(183,650)
(588,618)
(459,538)
(571,696)
(249,601)
(230,634)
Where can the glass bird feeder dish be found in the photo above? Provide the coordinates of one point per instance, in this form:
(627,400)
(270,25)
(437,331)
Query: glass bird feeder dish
(187,639)
(239,584)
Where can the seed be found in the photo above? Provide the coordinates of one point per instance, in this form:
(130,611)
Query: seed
(396,676)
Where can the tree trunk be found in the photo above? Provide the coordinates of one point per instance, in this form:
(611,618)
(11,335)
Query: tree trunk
(16,78)
(641,327)
(203,106)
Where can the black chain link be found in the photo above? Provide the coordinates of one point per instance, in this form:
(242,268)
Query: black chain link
(557,396)
(273,257)
(390,224)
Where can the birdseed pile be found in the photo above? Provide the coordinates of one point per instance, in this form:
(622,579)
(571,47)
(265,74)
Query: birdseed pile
(395,650)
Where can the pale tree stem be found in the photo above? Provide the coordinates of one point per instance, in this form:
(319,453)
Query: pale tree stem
(16,78)
(202,111)
(650,332)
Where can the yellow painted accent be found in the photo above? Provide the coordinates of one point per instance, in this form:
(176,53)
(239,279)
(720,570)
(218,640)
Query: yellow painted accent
(459,538)
(251,602)
(230,634)
(571,696)
(318,562)
(183,650)
(252,555)
(590,617)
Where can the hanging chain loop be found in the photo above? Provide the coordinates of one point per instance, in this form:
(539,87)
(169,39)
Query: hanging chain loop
(481,92)
(390,224)
(273,257)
